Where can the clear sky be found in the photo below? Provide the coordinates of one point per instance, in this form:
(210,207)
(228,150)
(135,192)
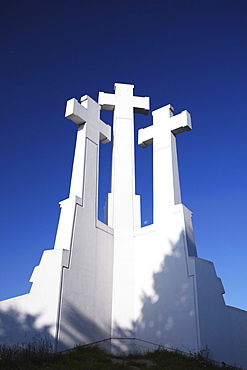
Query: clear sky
(190,53)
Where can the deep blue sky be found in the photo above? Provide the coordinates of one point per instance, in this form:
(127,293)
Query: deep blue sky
(190,53)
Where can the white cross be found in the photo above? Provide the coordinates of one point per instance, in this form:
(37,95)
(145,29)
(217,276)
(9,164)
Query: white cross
(91,130)
(176,124)
(87,116)
(123,205)
(162,134)
(123,101)
(88,111)
(123,211)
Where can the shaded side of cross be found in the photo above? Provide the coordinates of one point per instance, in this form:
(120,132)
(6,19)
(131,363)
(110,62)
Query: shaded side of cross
(162,134)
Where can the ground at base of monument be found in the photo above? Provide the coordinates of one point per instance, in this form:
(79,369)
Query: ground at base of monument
(39,355)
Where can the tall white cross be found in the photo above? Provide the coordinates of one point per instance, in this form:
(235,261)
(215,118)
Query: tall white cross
(87,116)
(91,130)
(123,210)
(162,134)
(123,204)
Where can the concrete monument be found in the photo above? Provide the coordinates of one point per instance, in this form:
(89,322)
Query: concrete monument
(116,283)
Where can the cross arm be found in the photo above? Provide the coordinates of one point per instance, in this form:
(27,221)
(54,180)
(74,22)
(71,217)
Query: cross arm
(145,136)
(92,109)
(75,112)
(141,105)
(88,111)
(106,101)
(105,133)
(177,124)
(181,122)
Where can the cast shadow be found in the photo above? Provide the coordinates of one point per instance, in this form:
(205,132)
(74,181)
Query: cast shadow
(167,316)
(17,328)
(78,329)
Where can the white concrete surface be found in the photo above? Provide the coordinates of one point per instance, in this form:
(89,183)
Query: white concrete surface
(130,287)
(124,214)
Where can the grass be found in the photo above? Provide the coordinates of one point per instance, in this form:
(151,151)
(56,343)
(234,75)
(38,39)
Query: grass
(38,355)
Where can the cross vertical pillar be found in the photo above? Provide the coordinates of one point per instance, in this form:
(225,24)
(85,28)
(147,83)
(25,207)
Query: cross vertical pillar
(90,129)
(166,184)
(123,205)
(123,210)
(86,116)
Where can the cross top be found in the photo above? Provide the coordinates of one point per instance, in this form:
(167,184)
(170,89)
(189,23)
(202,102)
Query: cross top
(123,102)
(88,111)
(162,134)
(123,206)
(164,122)
(87,116)
(177,124)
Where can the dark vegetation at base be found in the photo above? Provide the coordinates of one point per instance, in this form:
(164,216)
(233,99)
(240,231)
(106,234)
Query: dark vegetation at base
(38,355)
